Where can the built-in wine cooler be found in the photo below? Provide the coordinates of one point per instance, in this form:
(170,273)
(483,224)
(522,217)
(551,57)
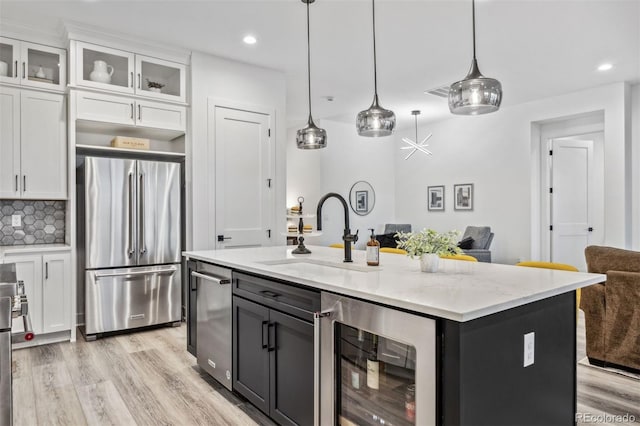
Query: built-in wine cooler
(374,365)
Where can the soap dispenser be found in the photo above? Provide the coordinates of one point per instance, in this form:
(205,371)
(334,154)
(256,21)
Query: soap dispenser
(373,250)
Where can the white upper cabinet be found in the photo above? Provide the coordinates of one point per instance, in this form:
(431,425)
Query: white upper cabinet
(33,65)
(104,68)
(113,109)
(33,144)
(125,72)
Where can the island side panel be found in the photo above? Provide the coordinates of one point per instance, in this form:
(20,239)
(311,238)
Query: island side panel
(483,380)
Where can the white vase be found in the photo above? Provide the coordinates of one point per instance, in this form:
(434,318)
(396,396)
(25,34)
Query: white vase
(429,262)
(102,72)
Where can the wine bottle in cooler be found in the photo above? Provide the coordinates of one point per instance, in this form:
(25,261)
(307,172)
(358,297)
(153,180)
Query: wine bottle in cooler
(360,365)
(373,366)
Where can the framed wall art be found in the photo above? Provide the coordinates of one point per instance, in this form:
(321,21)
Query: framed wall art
(435,198)
(463,196)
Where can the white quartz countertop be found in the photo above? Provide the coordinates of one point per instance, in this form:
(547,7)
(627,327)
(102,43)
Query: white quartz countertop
(460,291)
(32,248)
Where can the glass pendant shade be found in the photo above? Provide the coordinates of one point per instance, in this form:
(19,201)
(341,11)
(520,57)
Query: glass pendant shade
(375,121)
(311,136)
(476,94)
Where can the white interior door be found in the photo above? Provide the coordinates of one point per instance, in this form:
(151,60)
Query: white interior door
(243,187)
(572,200)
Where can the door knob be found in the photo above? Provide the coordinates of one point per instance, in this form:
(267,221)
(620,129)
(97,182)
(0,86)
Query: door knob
(222,238)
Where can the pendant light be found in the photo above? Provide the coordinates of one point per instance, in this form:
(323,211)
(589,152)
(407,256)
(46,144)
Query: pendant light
(310,136)
(375,121)
(475,94)
(414,146)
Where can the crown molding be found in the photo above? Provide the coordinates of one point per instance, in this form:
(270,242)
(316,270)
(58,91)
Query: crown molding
(54,37)
(81,32)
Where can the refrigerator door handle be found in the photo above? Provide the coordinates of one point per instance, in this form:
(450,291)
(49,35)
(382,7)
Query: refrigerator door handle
(130,250)
(141,211)
(170,270)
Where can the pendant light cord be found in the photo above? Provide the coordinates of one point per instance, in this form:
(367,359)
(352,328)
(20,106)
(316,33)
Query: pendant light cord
(473,20)
(309,59)
(375,73)
(416,116)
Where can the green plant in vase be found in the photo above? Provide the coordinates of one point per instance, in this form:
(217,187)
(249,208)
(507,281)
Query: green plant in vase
(429,245)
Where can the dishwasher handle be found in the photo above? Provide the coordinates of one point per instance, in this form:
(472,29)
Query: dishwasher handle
(208,277)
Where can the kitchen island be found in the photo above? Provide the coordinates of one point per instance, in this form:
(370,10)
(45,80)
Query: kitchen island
(480,368)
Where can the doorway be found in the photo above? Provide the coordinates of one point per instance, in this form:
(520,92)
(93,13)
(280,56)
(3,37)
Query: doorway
(243,170)
(571,183)
(571,199)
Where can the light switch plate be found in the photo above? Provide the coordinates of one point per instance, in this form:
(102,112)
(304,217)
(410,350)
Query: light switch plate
(529,348)
(16,220)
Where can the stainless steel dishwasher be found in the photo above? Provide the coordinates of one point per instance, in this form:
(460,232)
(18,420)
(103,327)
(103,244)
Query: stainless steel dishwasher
(213,286)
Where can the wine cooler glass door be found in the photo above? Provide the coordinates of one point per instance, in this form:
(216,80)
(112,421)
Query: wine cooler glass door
(377,365)
(376,379)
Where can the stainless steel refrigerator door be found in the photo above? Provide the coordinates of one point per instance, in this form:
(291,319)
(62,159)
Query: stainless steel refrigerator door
(119,299)
(158,212)
(214,322)
(110,212)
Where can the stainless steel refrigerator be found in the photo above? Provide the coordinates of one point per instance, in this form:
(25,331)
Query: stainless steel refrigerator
(128,244)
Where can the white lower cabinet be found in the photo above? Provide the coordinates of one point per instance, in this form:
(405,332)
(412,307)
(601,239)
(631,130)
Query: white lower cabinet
(47,281)
(124,110)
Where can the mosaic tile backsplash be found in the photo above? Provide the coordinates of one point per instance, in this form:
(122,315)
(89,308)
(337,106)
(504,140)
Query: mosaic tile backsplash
(42,222)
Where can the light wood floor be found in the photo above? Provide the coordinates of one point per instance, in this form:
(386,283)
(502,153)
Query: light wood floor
(148,378)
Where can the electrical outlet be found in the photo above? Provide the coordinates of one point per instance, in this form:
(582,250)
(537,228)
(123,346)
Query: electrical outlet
(16,220)
(529,348)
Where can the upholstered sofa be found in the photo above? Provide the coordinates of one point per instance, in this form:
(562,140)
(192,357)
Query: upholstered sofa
(482,238)
(612,308)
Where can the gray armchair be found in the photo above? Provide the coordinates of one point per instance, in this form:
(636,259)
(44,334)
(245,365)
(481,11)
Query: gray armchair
(482,237)
(392,228)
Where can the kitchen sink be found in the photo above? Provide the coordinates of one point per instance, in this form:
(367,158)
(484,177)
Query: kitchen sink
(319,262)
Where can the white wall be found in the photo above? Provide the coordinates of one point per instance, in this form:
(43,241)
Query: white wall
(496,153)
(347,159)
(222,79)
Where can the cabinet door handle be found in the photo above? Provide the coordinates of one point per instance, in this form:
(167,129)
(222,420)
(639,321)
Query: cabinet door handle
(132,110)
(24,183)
(24,70)
(132,81)
(139,81)
(139,112)
(15,70)
(271,326)
(46,270)
(17,183)
(265,345)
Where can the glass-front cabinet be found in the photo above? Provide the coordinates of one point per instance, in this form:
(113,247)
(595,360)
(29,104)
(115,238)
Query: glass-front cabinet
(31,64)
(127,72)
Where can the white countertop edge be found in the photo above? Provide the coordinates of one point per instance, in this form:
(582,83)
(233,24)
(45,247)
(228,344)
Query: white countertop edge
(418,308)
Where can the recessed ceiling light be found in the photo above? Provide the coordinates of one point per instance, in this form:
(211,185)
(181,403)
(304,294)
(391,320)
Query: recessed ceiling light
(249,39)
(605,67)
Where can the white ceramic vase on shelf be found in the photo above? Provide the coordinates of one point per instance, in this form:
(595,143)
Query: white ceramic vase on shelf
(429,262)
(101,72)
